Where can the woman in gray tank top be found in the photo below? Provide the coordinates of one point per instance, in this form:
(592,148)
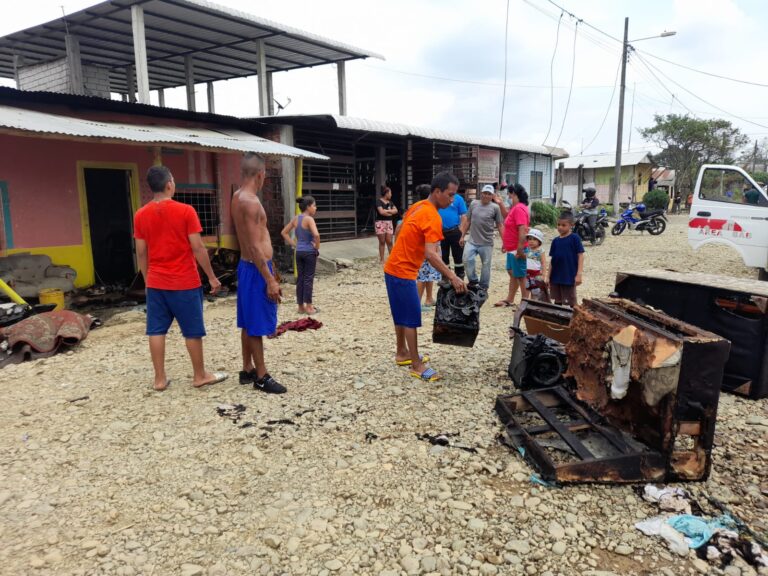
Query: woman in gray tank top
(307,246)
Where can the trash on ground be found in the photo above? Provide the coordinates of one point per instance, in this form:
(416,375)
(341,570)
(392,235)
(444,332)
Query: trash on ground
(232,412)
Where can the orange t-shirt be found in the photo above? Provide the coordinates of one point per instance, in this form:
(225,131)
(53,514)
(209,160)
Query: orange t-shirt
(165,227)
(421,225)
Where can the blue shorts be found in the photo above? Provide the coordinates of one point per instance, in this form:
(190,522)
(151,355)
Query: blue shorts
(256,313)
(186,306)
(517,265)
(403,301)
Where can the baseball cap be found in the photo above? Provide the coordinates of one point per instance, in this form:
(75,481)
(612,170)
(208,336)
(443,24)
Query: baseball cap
(488,188)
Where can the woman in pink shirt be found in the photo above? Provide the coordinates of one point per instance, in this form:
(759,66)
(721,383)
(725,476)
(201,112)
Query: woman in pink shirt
(513,243)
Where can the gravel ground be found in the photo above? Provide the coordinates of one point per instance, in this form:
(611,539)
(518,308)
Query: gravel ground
(329,478)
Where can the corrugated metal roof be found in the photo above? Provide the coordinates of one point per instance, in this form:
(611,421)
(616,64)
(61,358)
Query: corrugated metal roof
(608,160)
(222,41)
(366,125)
(17,119)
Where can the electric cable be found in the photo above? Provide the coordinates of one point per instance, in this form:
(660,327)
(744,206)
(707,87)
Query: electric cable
(705,72)
(504,93)
(607,110)
(723,110)
(552,79)
(581,20)
(570,90)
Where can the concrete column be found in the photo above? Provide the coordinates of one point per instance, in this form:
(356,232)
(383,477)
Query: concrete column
(18,62)
(74,64)
(342,73)
(189,72)
(211,101)
(261,73)
(381,168)
(130,83)
(161,97)
(288,166)
(140,52)
(270,95)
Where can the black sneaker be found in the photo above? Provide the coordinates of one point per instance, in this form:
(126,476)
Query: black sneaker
(247,377)
(269,385)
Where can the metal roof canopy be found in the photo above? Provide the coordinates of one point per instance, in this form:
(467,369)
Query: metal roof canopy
(608,160)
(222,41)
(15,120)
(396,129)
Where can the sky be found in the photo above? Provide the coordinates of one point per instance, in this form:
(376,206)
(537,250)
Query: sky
(444,65)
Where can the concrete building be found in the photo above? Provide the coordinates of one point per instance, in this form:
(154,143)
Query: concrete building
(598,172)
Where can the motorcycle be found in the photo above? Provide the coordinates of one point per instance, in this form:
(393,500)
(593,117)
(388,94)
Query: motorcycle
(581,225)
(654,222)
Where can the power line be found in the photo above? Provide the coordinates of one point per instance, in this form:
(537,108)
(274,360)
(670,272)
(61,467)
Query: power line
(552,79)
(504,94)
(664,85)
(723,110)
(607,110)
(582,21)
(705,72)
(570,90)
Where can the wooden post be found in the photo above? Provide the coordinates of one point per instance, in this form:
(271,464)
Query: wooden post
(270,95)
(579,183)
(140,52)
(189,72)
(342,77)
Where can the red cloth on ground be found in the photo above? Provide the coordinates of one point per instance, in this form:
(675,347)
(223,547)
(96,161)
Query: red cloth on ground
(165,226)
(42,335)
(297,326)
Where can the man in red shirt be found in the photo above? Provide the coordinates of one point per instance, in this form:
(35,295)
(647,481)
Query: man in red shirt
(418,238)
(169,247)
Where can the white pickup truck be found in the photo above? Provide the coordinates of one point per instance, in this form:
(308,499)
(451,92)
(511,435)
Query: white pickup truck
(730,208)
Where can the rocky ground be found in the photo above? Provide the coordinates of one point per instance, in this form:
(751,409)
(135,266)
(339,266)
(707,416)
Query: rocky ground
(331,477)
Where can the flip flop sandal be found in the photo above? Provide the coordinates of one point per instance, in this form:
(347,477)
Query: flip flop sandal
(217,377)
(422,357)
(429,375)
(505,304)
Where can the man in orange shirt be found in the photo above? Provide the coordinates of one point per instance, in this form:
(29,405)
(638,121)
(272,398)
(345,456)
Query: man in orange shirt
(169,248)
(419,236)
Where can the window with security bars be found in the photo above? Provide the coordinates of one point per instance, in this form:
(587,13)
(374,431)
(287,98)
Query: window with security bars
(205,201)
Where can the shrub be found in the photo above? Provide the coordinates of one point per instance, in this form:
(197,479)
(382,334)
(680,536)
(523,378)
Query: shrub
(656,200)
(543,213)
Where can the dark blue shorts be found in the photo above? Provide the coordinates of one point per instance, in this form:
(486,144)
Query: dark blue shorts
(256,313)
(186,306)
(403,301)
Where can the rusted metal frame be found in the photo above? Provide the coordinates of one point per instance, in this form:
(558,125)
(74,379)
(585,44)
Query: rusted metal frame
(615,439)
(521,439)
(541,310)
(624,314)
(557,426)
(573,426)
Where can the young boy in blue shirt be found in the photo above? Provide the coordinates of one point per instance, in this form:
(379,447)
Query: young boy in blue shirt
(566,262)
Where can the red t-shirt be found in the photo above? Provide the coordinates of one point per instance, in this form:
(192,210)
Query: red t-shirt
(517,216)
(421,225)
(165,226)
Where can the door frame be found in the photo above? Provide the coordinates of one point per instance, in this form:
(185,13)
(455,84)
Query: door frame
(135,201)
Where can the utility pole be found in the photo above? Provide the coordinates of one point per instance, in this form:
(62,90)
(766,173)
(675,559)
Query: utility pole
(631,117)
(620,129)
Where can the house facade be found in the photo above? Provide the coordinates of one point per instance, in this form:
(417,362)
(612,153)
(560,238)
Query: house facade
(598,171)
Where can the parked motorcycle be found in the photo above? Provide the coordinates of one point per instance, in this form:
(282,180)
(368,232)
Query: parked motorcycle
(654,222)
(581,225)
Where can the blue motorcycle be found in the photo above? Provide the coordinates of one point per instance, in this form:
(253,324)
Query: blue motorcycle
(654,222)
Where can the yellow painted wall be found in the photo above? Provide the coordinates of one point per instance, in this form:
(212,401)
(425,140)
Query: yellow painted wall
(78,257)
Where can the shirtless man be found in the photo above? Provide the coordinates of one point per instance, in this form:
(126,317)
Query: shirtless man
(258,292)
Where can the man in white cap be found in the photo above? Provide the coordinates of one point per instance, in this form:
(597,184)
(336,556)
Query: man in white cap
(483,217)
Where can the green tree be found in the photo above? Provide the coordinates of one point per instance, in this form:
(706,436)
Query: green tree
(686,143)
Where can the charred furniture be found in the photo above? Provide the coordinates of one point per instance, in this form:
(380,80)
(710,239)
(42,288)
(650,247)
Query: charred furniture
(734,308)
(639,404)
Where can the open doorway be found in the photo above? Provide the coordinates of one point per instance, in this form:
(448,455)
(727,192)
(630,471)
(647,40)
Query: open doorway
(110,218)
